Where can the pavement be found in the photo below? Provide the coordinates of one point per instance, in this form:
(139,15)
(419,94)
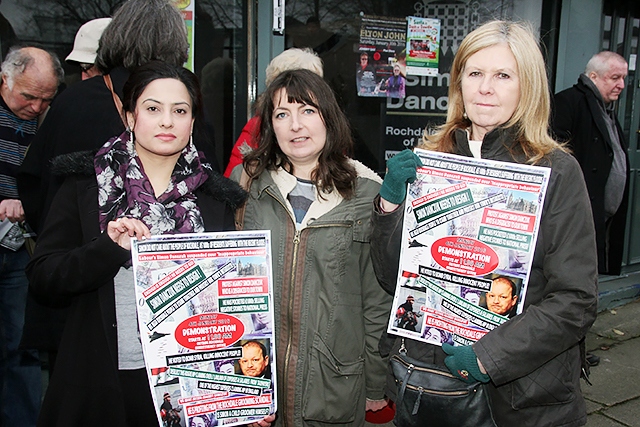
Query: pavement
(614,398)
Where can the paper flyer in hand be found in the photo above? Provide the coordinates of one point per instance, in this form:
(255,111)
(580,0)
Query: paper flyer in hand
(468,238)
(205,316)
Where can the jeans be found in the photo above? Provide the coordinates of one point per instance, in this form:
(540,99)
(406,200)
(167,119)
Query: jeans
(20,371)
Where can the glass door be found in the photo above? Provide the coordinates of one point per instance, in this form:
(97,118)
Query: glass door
(621,31)
(221,63)
(383,126)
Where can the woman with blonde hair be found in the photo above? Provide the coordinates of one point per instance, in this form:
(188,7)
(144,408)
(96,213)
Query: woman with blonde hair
(530,119)
(498,110)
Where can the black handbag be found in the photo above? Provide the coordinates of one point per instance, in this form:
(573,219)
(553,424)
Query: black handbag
(428,395)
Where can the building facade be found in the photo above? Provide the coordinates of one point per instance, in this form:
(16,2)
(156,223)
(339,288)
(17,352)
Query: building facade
(235,40)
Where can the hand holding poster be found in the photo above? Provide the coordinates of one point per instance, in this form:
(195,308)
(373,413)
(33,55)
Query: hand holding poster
(469,235)
(206,325)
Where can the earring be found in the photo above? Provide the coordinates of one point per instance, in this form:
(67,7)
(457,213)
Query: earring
(191,139)
(464,115)
(130,133)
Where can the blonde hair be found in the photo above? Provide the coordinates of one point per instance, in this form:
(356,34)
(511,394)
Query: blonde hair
(294,59)
(531,116)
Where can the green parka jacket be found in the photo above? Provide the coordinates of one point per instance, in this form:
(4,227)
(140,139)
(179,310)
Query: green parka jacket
(330,310)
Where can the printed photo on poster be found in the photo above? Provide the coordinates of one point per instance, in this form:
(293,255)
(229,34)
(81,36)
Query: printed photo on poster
(423,46)
(205,315)
(469,233)
(380,69)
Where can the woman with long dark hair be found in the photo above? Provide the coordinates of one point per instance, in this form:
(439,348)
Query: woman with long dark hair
(330,312)
(149,180)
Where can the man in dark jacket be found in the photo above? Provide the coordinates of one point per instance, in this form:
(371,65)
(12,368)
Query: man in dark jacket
(28,82)
(584,116)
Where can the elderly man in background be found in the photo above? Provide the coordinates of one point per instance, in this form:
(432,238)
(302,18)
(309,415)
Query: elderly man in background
(584,116)
(86,45)
(30,79)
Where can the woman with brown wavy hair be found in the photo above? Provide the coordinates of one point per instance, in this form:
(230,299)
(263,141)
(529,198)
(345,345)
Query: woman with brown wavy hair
(330,312)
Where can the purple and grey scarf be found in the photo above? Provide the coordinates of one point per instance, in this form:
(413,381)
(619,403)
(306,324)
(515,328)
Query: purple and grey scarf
(125,190)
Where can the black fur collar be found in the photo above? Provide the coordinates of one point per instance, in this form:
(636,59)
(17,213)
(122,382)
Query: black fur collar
(217,186)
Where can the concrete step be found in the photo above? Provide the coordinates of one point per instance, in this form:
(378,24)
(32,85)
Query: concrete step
(615,291)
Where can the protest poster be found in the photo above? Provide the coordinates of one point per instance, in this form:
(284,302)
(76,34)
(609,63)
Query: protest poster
(380,69)
(423,46)
(205,316)
(469,235)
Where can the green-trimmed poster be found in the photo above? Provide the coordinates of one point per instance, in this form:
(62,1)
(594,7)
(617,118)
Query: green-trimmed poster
(423,46)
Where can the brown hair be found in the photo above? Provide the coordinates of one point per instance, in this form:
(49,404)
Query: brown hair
(334,171)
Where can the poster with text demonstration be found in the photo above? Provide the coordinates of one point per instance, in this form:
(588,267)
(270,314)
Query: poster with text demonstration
(469,235)
(380,67)
(423,45)
(205,316)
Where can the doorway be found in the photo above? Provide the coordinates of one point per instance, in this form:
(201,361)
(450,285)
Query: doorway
(621,29)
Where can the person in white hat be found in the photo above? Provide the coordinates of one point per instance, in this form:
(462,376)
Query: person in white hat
(85,47)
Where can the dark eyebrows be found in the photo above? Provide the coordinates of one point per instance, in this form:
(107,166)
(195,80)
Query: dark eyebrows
(174,104)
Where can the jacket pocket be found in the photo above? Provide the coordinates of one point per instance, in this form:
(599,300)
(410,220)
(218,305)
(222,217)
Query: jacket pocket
(362,231)
(551,384)
(333,387)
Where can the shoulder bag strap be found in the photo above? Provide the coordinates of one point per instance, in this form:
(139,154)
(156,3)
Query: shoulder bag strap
(116,98)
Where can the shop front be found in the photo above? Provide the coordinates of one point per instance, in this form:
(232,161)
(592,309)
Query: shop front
(233,41)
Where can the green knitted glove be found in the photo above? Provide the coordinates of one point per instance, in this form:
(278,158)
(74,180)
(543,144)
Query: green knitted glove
(463,363)
(401,169)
